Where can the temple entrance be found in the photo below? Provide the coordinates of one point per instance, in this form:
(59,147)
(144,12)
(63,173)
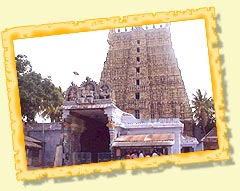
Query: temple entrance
(95,139)
(90,136)
(89,123)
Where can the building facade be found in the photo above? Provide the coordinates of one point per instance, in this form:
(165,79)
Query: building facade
(142,68)
(94,130)
(50,134)
(100,131)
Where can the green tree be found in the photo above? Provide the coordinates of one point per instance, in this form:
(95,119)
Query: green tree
(203,111)
(38,95)
(23,64)
(53,97)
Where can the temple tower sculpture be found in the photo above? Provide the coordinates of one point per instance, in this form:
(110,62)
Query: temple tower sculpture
(142,69)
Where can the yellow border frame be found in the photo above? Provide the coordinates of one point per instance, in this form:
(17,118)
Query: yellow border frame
(9,35)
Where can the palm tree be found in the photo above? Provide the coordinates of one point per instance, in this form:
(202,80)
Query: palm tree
(203,111)
(53,112)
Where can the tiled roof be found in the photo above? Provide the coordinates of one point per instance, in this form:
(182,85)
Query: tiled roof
(31,139)
(144,140)
(32,144)
(210,136)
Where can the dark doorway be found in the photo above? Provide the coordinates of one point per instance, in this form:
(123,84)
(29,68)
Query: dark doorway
(95,139)
(186,149)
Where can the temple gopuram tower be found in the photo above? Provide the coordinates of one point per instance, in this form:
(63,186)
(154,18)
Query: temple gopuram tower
(142,69)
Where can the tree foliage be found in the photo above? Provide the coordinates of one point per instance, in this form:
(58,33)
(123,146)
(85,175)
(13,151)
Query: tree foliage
(38,95)
(203,111)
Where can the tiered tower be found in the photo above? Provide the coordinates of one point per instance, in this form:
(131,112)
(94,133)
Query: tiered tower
(142,69)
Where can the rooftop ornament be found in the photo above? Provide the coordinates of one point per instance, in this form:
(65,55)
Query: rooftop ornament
(88,92)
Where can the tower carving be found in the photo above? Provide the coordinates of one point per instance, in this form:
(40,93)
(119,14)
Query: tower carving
(142,69)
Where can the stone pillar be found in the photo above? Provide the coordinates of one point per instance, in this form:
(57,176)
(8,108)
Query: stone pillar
(40,157)
(114,119)
(177,144)
(111,126)
(65,113)
(75,146)
(170,150)
(77,127)
(111,133)
(58,156)
(194,148)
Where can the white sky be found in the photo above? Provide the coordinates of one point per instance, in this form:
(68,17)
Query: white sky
(58,56)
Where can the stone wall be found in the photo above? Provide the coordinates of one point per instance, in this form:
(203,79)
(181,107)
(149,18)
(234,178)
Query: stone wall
(50,134)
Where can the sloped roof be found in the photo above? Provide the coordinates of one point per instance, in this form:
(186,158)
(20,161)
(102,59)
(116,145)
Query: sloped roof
(211,136)
(32,144)
(144,140)
(31,139)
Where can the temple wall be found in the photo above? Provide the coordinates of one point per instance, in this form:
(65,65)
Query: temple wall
(51,137)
